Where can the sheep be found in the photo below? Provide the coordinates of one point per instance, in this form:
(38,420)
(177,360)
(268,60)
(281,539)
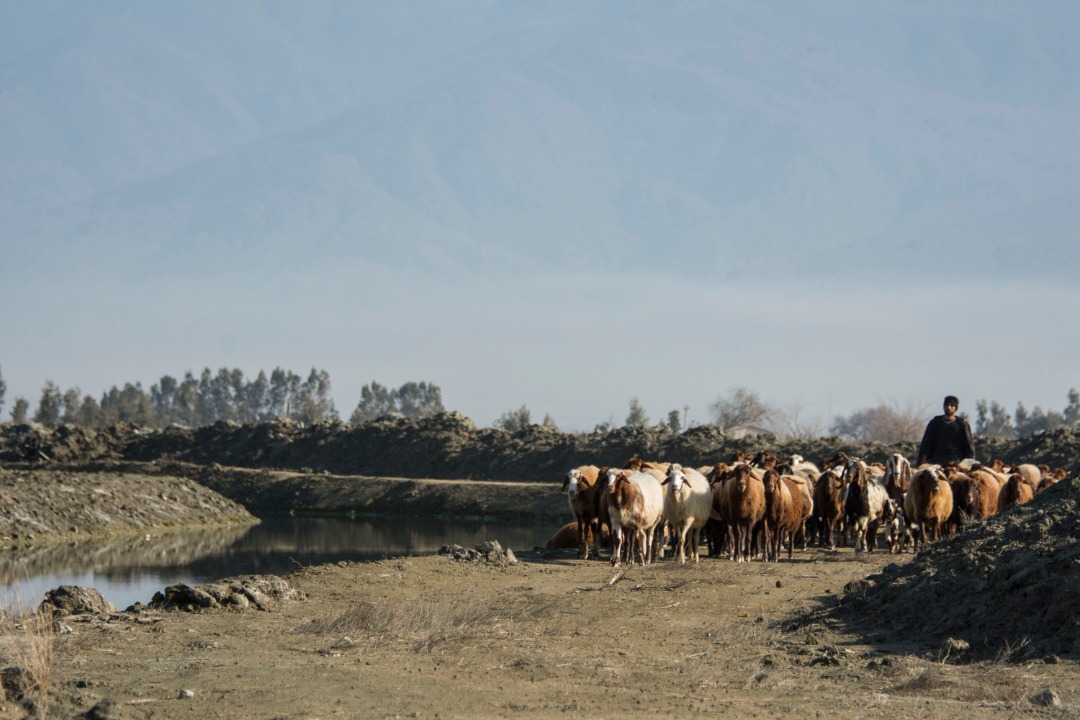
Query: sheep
(783,514)
(635,504)
(807,470)
(897,529)
(1016,491)
(929,503)
(1031,474)
(829,504)
(799,484)
(867,499)
(687,506)
(716,528)
(744,505)
(583,495)
(1055,475)
(567,537)
(989,489)
(966,500)
(897,475)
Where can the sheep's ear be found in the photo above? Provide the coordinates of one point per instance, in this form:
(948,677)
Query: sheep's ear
(665,481)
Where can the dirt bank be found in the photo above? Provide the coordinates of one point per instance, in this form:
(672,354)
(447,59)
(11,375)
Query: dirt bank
(548,637)
(44,504)
(451,446)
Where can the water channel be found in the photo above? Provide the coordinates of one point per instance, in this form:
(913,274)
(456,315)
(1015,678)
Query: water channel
(132,569)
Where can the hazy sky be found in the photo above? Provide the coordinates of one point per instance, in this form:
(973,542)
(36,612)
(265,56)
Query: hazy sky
(557,205)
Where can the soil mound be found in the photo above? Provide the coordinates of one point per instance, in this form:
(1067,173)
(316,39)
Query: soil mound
(451,446)
(1007,587)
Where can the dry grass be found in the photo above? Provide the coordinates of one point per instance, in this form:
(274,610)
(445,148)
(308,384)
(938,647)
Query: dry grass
(26,648)
(993,683)
(425,624)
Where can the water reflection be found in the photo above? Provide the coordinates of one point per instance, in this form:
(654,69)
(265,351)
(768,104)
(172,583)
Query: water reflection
(132,570)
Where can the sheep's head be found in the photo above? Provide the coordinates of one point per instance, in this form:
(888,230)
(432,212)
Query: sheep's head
(612,477)
(771,479)
(795,460)
(572,482)
(676,477)
(742,476)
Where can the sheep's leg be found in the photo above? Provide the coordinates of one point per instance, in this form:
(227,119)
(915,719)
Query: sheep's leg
(617,542)
(583,540)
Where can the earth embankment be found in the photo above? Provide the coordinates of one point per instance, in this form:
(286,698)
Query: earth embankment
(450,446)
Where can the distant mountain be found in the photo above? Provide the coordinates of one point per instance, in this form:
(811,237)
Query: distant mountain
(724,140)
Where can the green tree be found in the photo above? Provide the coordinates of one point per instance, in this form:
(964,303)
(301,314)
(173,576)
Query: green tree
(90,414)
(1037,420)
(3,389)
(419,400)
(20,410)
(49,406)
(1071,415)
(673,421)
(992,420)
(514,420)
(72,400)
(314,402)
(636,417)
(376,401)
(549,422)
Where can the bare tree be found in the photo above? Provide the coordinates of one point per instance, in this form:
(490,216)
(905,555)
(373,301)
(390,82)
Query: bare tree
(887,422)
(741,407)
(789,424)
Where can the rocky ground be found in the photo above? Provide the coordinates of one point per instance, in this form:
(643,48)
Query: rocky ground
(980,625)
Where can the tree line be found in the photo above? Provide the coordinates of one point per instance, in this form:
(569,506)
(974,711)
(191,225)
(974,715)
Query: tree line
(227,395)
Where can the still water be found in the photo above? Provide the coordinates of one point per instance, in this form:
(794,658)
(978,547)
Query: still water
(133,569)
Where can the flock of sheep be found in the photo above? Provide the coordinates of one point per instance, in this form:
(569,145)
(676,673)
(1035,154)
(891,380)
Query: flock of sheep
(749,507)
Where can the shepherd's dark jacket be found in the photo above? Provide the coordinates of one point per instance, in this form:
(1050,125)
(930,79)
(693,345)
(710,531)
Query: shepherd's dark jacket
(945,441)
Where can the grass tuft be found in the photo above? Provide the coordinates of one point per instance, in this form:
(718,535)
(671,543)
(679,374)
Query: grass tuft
(26,648)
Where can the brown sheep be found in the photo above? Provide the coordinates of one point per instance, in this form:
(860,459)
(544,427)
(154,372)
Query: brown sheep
(566,537)
(829,504)
(783,514)
(929,503)
(1016,491)
(989,489)
(583,494)
(744,503)
(798,483)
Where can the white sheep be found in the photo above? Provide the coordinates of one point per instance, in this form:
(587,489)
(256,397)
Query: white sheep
(635,505)
(687,506)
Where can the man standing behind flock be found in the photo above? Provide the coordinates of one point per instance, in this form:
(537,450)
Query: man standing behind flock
(947,437)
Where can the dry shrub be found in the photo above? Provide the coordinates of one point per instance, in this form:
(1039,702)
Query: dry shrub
(425,623)
(26,651)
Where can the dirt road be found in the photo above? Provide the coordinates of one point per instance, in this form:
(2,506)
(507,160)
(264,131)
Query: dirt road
(551,636)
